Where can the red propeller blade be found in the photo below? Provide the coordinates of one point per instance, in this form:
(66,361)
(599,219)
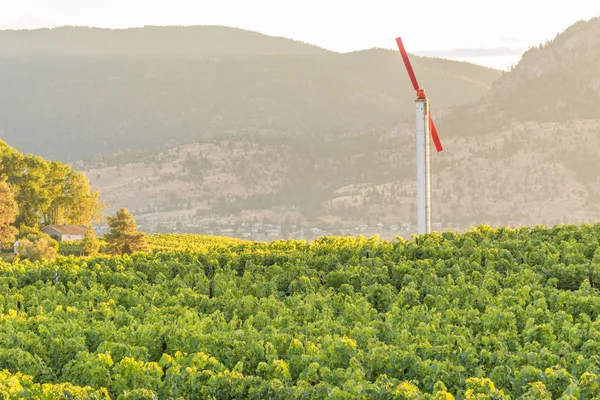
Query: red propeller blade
(413,79)
(409,68)
(434,135)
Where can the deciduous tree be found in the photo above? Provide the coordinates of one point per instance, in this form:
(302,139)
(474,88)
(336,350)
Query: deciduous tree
(49,192)
(8,213)
(41,249)
(84,203)
(90,244)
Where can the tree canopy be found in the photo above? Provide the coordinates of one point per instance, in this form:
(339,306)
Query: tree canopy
(48,192)
(8,212)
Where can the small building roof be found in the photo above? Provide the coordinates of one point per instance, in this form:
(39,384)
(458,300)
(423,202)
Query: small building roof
(68,229)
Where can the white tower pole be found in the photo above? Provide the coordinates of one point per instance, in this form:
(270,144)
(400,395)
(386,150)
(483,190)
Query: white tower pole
(423,167)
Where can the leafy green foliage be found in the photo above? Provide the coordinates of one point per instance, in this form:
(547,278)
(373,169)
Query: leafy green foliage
(194,243)
(21,386)
(90,243)
(488,314)
(41,249)
(48,192)
(8,212)
(37,246)
(70,248)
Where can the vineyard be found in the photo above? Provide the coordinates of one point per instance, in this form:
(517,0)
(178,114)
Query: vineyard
(487,314)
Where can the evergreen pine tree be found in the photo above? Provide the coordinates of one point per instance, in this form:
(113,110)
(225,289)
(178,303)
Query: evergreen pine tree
(124,237)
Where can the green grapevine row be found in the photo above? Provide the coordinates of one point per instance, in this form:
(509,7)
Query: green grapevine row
(488,314)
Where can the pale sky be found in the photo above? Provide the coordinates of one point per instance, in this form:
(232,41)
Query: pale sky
(339,25)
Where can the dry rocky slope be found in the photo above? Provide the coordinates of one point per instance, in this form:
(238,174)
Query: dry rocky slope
(329,146)
(528,152)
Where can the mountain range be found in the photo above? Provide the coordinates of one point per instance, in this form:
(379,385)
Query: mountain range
(210,127)
(98,91)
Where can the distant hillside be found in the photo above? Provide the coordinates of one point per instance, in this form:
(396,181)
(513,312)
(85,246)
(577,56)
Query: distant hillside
(102,91)
(502,164)
(557,81)
(529,173)
(532,144)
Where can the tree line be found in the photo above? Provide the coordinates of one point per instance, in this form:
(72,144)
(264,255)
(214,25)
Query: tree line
(35,193)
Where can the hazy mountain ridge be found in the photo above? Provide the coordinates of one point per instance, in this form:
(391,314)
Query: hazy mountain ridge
(151,41)
(95,104)
(556,81)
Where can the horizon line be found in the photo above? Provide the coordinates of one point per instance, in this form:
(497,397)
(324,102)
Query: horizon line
(446,54)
